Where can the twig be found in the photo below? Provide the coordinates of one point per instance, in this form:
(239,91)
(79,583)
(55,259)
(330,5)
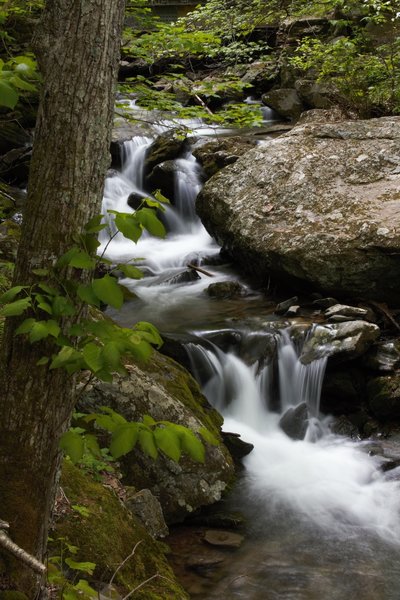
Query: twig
(200,270)
(203,104)
(144,583)
(385,312)
(125,561)
(19,553)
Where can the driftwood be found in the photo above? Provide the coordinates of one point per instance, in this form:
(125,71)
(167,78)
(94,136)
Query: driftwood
(200,270)
(386,313)
(6,543)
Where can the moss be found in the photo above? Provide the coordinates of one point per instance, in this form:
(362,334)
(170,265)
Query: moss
(181,385)
(11,595)
(108,535)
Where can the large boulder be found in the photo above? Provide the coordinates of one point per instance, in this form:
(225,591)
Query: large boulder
(318,206)
(220,152)
(164,390)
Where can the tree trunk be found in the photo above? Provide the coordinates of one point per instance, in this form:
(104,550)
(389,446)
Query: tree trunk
(77,48)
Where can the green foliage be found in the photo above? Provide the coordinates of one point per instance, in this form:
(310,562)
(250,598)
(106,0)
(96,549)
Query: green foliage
(62,564)
(18,79)
(149,435)
(55,303)
(362,67)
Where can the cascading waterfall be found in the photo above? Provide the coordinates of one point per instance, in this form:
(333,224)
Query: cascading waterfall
(331,484)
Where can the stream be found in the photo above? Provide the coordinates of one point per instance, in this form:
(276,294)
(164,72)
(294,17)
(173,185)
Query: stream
(322,519)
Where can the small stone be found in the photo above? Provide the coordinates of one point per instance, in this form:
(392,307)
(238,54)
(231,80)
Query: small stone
(292,311)
(226,539)
(282,307)
(325,302)
(200,562)
(226,289)
(352,312)
(294,421)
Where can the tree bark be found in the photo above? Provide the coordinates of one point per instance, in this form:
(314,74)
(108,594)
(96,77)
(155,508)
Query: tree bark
(77,46)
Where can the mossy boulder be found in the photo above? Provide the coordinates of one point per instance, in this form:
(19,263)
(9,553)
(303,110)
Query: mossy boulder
(108,535)
(166,391)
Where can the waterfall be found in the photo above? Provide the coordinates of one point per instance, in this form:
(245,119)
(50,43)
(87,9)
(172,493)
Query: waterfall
(323,482)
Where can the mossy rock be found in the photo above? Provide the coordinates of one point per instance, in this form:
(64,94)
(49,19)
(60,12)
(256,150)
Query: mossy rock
(182,386)
(108,535)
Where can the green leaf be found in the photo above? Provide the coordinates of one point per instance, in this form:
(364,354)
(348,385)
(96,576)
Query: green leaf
(160,197)
(130,271)
(83,586)
(92,445)
(81,510)
(129,226)
(86,567)
(48,289)
(64,357)
(140,350)
(86,293)
(149,333)
(149,220)
(8,96)
(111,355)
(92,355)
(62,307)
(43,361)
(108,291)
(148,420)
(192,445)
(15,308)
(41,272)
(95,224)
(168,441)
(81,260)
(147,444)
(11,293)
(72,443)
(22,84)
(124,439)
(25,326)
(208,436)
(38,332)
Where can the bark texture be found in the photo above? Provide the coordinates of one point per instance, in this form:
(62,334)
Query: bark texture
(77,47)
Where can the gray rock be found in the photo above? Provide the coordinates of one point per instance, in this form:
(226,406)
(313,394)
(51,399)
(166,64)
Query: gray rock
(282,307)
(222,538)
(344,341)
(294,421)
(218,153)
(226,289)
(187,276)
(352,312)
(285,101)
(167,146)
(145,506)
(313,94)
(333,220)
(164,390)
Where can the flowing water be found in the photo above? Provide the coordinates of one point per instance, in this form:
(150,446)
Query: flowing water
(323,520)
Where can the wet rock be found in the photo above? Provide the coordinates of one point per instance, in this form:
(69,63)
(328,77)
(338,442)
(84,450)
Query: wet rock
(225,539)
(325,302)
(285,101)
(294,421)
(167,146)
(164,390)
(237,447)
(12,201)
(292,311)
(217,154)
(344,341)
(261,75)
(333,222)
(384,397)
(383,356)
(204,562)
(282,307)
(349,312)
(187,276)
(226,289)
(343,426)
(258,346)
(135,200)
(145,506)
(163,177)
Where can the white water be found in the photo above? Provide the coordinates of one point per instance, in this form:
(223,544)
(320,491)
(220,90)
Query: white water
(332,484)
